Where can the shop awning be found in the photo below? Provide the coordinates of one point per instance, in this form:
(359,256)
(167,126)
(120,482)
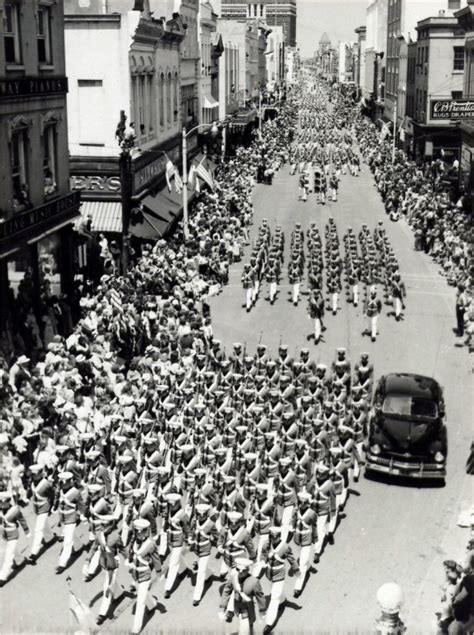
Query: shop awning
(151,228)
(163,206)
(244,117)
(106,215)
(209,101)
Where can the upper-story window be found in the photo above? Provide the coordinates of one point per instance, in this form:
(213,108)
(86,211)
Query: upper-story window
(43,34)
(11,34)
(50,160)
(19,169)
(458,63)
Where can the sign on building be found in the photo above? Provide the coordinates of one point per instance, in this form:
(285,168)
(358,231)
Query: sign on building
(452,109)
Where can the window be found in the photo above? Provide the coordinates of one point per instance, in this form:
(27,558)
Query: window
(19,146)
(142,105)
(11,34)
(43,34)
(456,94)
(162,100)
(50,160)
(168,100)
(89,82)
(458,58)
(151,103)
(175,97)
(454,5)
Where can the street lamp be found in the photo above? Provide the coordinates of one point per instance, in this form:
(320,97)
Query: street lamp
(214,130)
(390,599)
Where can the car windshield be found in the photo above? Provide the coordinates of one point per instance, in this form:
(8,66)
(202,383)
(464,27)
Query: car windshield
(405,406)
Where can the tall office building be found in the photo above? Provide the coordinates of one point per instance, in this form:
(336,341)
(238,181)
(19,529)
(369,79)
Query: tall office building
(274,12)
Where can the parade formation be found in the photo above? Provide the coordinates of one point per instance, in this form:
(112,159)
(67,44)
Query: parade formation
(145,445)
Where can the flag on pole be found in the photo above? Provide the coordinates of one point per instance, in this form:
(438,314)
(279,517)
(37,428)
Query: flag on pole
(205,175)
(178,182)
(116,300)
(170,172)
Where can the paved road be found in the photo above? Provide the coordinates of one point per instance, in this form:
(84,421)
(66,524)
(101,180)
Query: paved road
(391,532)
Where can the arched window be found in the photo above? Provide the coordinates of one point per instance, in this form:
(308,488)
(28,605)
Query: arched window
(169,89)
(162,99)
(175,97)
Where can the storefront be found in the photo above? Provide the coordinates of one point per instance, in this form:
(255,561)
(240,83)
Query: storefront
(39,259)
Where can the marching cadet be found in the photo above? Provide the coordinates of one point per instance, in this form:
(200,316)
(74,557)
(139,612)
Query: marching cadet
(244,588)
(234,542)
(68,503)
(316,312)
(143,506)
(11,519)
(177,524)
(398,295)
(305,535)
(261,515)
(271,276)
(372,310)
(248,284)
(237,357)
(42,491)
(202,537)
(287,486)
(96,471)
(324,501)
(363,374)
(334,185)
(142,559)
(276,553)
(96,504)
(294,278)
(333,286)
(109,545)
(126,481)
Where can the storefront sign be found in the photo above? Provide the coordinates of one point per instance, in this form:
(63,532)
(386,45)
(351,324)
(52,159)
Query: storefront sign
(143,176)
(92,183)
(452,109)
(33,87)
(23,221)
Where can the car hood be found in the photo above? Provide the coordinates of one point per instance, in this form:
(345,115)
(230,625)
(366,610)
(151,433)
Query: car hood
(407,434)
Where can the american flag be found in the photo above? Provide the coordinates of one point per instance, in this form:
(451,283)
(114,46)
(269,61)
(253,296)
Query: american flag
(116,300)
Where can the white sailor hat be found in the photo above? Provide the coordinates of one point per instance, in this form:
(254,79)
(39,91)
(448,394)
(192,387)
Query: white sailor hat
(141,524)
(322,468)
(275,530)
(137,493)
(173,497)
(341,349)
(243,563)
(250,456)
(202,508)
(4,496)
(125,458)
(285,460)
(163,469)
(304,496)
(94,488)
(36,467)
(234,517)
(65,476)
(93,454)
(321,367)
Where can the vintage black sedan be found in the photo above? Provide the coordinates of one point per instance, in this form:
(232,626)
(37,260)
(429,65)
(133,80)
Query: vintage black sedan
(407,432)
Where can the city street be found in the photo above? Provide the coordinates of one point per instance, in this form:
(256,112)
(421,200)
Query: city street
(391,531)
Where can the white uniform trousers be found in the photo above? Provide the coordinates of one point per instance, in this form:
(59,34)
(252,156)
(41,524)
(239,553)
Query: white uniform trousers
(334,194)
(397,303)
(304,564)
(321,525)
(201,577)
(304,195)
(355,294)
(286,519)
(273,290)
(125,528)
(317,329)
(248,297)
(372,326)
(110,591)
(245,627)
(334,302)
(163,543)
(333,521)
(8,559)
(276,598)
(296,292)
(262,539)
(255,290)
(41,530)
(292,169)
(68,544)
(173,567)
(144,599)
(92,566)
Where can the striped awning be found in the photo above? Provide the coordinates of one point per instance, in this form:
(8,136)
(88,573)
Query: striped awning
(209,102)
(106,215)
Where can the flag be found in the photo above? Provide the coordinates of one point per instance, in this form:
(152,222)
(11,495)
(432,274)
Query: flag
(83,620)
(170,172)
(385,131)
(178,182)
(116,300)
(193,180)
(205,175)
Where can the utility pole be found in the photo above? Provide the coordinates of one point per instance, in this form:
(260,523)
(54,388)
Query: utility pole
(126,136)
(394,140)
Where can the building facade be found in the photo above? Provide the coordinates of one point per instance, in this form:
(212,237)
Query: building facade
(375,49)
(439,77)
(210,49)
(359,71)
(137,74)
(274,12)
(275,57)
(38,250)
